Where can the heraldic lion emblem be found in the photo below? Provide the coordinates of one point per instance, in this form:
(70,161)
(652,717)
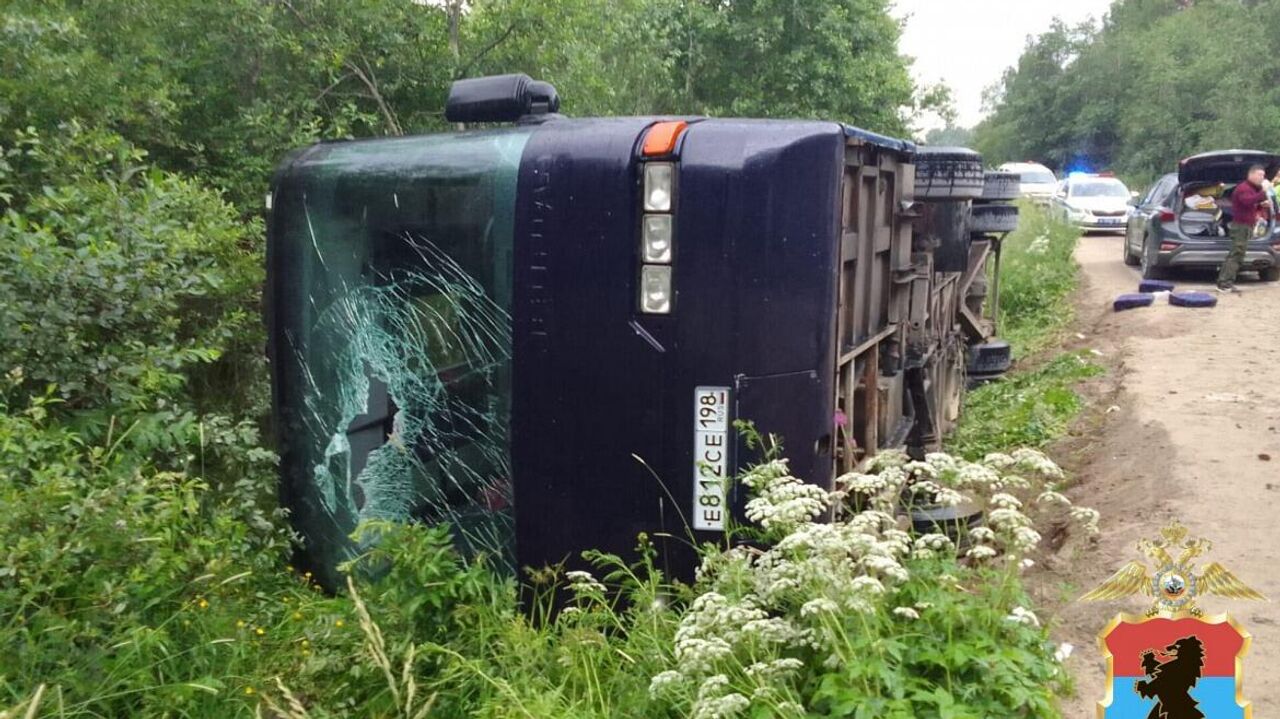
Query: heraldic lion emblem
(1170,680)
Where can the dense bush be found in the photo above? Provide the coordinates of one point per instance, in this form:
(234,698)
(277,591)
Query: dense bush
(118,281)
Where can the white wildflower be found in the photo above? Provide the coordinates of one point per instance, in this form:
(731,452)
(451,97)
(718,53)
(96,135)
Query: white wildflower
(1036,462)
(773,669)
(942,462)
(581,583)
(729,705)
(774,630)
(982,535)
(790,708)
(980,553)
(999,461)
(887,459)
(930,545)
(1005,501)
(947,497)
(977,476)
(1022,615)
(785,503)
(696,655)
(906,613)
(1005,520)
(896,543)
(663,683)
(867,585)
(1053,499)
(821,605)
(1026,564)
(1063,652)
(882,567)
(1087,518)
(713,686)
(920,470)
(1014,481)
(864,484)
(1025,539)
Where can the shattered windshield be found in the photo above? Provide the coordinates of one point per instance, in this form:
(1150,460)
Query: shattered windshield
(393,284)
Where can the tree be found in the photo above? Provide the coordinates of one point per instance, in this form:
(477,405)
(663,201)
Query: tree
(1159,80)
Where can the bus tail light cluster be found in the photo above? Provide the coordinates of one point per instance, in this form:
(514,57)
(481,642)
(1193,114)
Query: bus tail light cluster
(657,223)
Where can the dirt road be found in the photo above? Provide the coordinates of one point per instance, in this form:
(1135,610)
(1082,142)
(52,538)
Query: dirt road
(1191,433)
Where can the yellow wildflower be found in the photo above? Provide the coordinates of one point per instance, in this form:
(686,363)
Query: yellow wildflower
(297,615)
(248,691)
(240,623)
(202,603)
(259,631)
(339,623)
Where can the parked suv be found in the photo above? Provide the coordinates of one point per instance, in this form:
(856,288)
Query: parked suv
(1182,220)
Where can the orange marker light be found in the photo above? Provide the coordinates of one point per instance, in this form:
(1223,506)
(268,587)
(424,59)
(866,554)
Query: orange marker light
(661,138)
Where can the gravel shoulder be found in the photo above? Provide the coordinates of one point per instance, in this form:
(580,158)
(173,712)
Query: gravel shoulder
(1184,426)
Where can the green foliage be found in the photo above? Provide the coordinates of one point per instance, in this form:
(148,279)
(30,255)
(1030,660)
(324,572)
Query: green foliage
(1159,80)
(1038,273)
(961,659)
(1031,407)
(119,282)
(778,58)
(121,583)
(224,89)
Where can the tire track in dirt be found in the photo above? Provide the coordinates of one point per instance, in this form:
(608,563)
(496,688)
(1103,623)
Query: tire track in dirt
(1194,400)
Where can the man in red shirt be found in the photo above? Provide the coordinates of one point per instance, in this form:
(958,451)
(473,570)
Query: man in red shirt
(1247,201)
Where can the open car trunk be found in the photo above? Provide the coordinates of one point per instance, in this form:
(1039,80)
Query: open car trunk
(1204,216)
(1208,214)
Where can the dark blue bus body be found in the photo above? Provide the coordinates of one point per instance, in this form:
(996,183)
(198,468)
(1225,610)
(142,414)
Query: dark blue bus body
(458,329)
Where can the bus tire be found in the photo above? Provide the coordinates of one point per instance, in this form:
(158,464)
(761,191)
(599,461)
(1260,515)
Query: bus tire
(949,173)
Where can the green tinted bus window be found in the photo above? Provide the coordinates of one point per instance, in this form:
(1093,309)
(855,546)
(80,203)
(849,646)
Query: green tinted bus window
(391,290)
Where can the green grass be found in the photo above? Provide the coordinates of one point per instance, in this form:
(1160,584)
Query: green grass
(1037,276)
(1037,402)
(1027,409)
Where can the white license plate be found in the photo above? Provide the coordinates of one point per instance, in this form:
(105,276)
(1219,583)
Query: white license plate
(710,457)
(1112,221)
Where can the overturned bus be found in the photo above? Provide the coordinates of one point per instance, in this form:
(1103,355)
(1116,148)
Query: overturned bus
(542,333)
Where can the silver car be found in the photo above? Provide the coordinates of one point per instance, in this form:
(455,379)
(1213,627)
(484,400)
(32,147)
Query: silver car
(1093,203)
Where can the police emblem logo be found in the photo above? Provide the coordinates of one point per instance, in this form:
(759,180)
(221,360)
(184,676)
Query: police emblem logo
(1174,663)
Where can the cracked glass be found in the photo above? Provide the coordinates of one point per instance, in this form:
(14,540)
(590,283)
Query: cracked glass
(391,291)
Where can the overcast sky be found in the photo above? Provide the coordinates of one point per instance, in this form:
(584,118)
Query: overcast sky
(968,43)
